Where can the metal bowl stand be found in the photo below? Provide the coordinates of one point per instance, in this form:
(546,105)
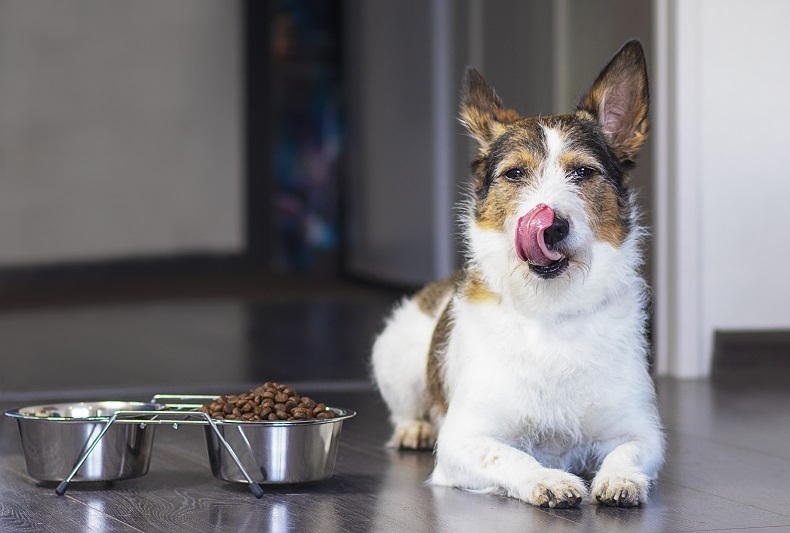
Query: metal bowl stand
(172,413)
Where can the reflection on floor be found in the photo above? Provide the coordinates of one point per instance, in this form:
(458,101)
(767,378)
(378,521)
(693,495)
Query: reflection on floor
(191,345)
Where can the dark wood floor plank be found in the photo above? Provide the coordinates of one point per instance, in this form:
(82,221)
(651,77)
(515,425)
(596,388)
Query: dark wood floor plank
(672,509)
(745,417)
(171,344)
(729,441)
(737,475)
(25,506)
(767,529)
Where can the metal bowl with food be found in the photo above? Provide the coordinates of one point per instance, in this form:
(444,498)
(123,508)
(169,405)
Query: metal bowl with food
(55,436)
(285,451)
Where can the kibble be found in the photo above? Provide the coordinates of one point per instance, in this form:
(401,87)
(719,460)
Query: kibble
(271,401)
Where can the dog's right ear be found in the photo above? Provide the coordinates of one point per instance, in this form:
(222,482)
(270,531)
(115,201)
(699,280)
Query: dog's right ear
(482,111)
(619,100)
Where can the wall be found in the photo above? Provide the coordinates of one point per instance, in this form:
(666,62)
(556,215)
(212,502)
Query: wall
(745,174)
(120,129)
(390,144)
(725,187)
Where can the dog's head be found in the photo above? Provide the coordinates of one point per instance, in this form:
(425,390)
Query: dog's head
(551,194)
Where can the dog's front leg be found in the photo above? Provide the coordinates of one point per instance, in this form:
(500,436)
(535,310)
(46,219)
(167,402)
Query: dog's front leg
(483,463)
(625,473)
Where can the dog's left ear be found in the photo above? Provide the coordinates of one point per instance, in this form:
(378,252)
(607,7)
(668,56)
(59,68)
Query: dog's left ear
(619,100)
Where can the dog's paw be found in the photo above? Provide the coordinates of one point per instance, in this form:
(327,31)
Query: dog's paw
(414,434)
(620,491)
(556,489)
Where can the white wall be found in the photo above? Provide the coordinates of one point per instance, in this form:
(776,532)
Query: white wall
(725,231)
(120,129)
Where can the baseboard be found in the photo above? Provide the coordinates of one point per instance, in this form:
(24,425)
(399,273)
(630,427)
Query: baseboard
(124,278)
(749,356)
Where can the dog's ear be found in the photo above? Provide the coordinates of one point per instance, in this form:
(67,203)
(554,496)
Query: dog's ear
(619,100)
(482,111)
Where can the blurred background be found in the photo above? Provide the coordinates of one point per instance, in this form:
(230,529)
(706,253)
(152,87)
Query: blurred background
(200,192)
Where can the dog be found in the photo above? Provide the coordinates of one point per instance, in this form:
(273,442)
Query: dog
(526,371)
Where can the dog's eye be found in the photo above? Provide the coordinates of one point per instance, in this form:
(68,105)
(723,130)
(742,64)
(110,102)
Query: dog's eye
(583,172)
(514,174)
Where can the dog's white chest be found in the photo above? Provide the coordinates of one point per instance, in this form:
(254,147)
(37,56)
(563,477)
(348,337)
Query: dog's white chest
(541,379)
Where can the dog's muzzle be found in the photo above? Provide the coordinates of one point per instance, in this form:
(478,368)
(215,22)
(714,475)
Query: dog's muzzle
(537,235)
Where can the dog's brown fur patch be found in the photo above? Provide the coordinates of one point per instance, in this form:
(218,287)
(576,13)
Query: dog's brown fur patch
(437,398)
(608,215)
(573,159)
(476,290)
(523,151)
(430,299)
(473,289)
(498,207)
(521,158)
(607,218)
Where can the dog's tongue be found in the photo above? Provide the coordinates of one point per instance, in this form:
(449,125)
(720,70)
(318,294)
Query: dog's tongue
(530,242)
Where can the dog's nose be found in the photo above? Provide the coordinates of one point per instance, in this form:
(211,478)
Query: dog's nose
(557,231)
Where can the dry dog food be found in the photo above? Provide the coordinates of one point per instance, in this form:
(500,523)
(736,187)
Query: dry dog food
(271,401)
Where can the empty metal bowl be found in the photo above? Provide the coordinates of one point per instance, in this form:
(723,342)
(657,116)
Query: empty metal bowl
(277,452)
(55,436)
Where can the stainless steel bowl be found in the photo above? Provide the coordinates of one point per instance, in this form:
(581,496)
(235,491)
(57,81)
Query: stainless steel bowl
(277,452)
(55,436)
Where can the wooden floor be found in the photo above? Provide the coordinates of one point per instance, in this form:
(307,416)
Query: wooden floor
(728,462)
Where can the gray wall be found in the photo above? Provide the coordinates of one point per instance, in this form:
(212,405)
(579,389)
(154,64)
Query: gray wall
(390,148)
(120,129)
